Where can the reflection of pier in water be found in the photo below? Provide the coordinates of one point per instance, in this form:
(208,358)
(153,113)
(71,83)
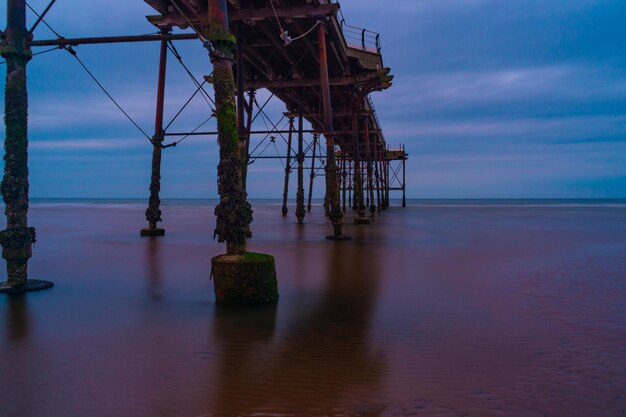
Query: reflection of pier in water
(17,320)
(153,268)
(322,359)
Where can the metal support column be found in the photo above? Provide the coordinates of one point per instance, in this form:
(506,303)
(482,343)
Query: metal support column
(350,184)
(312,177)
(358,179)
(17,238)
(344,181)
(300,211)
(383,177)
(332,186)
(245,157)
(285,210)
(239,277)
(368,156)
(153,212)
(387,181)
(403,176)
(377,176)
(233,212)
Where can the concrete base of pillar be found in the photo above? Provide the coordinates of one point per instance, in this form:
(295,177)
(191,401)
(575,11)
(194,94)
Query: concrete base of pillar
(338,238)
(361,220)
(245,279)
(30,285)
(152,232)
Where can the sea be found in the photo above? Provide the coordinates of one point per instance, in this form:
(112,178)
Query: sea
(460,308)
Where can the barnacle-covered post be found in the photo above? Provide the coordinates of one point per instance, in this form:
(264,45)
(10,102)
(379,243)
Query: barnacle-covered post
(300,210)
(312,177)
(153,212)
(285,209)
(358,171)
(377,176)
(370,180)
(239,277)
(332,185)
(17,238)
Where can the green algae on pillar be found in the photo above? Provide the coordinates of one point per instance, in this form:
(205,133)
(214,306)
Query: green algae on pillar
(239,277)
(18,237)
(245,279)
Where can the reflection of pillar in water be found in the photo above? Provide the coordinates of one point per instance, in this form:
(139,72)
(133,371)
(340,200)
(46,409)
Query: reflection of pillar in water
(242,334)
(153,266)
(324,348)
(17,324)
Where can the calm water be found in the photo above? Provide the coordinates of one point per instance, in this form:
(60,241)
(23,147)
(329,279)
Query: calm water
(440,309)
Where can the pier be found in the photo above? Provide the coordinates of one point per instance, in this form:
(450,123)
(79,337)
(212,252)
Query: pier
(303,52)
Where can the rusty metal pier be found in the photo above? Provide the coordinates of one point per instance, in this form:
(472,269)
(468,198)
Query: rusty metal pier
(305,54)
(323,70)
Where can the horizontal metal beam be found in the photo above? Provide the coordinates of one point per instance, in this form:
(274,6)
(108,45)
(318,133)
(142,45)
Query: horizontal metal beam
(336,115)
(272,132)
(283,157)
(250,15)
(310,10)
(255,132)
(345,80)
(375,189)
(114,39)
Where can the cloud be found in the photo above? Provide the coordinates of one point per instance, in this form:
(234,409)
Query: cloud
(86,144)
(491,97)
(548,130)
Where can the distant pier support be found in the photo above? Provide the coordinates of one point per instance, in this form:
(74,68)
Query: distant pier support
(377,178)
(17,238)
(300,210)
(368,156)
(285,209)
(404,177)
(312,177)
(153,212)
(358,171)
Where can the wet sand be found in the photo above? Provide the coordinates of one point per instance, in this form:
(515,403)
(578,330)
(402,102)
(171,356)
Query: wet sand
(434,310)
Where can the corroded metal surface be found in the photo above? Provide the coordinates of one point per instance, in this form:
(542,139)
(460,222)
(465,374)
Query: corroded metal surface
(17,238)
(305,54)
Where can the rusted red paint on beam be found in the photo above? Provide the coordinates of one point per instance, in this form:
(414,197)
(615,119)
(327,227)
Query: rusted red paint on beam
(218,15)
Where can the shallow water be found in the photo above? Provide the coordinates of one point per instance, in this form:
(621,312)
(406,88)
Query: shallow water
(439,309)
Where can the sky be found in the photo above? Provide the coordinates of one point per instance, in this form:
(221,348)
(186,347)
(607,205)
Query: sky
(491,98)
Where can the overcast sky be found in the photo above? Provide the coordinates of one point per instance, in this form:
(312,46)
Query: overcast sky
(492,98)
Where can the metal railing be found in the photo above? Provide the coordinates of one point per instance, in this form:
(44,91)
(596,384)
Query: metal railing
(364,39)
